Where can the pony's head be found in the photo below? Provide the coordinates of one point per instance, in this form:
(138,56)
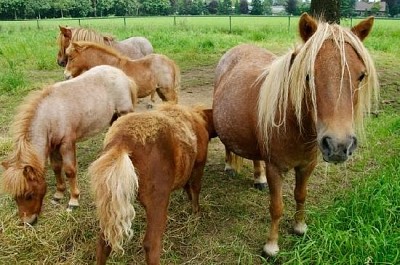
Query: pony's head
(64,39)
(26,183)
(331,78)
(69,34)
(76,64)
(340,85)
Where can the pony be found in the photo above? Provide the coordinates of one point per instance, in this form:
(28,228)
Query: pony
(47,126)
(134,47)
(148,155)
(154,73)
(287,110)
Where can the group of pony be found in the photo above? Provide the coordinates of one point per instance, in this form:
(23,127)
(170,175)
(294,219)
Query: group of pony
(282,112)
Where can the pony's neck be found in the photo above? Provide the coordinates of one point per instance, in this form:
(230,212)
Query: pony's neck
(39,141)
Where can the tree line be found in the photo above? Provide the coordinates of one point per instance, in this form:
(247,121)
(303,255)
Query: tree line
(32,9)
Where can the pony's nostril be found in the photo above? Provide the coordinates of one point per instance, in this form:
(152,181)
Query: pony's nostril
(326,144)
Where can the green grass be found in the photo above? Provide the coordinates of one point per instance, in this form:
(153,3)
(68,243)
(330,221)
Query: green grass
(353,209)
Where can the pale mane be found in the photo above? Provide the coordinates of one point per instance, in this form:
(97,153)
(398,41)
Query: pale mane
(82,34)
(23,154)
(285,81)
(101,48)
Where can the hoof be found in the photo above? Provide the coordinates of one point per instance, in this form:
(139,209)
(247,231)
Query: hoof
(260,186)
(55,201)
(300,229)
(270,250)
(230,172)
(149,106)
(71,208)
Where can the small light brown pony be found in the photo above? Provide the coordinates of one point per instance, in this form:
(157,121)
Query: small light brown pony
(134,47)
(283,109)
(50,122)
(148,155)
(152,73)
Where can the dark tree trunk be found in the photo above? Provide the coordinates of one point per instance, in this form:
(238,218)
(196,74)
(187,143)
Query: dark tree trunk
(326,10)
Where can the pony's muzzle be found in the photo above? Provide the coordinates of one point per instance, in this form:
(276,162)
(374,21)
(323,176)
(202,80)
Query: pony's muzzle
(335,151)
(31,220)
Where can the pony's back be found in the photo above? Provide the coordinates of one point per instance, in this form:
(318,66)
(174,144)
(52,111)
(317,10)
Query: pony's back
(86,104)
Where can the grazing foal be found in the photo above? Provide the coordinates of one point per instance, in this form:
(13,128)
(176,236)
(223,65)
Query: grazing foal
(48,125)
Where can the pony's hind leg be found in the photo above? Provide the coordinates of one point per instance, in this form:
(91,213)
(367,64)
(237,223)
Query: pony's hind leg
(56,165)
(194,187)
(233,163)
(260,180)
(300,193)
(156,206)
(103,250)
(67,151)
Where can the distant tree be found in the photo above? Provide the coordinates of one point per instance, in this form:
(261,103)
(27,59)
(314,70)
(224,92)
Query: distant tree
(213,7)
(34,8)
(225,7)
(105,7)
(267,7)
(12,8)
(257,7)
(375,8)
(347,8)
(80,8)
(155,7)
(303,7)
(62,6)
(244,7)
(279,2)
(327,10)
(291,7)
(393,6)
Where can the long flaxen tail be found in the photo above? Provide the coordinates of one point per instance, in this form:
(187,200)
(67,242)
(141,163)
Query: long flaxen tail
(115,185)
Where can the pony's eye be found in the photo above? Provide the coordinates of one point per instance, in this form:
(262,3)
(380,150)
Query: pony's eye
(29,196)
(307,78)
(363,74)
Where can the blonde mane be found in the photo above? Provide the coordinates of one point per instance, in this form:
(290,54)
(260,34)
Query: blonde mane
(101,48)
(82,34)
(285,80)
(13,181)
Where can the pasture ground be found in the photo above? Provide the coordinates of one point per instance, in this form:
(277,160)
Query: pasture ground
(353,209)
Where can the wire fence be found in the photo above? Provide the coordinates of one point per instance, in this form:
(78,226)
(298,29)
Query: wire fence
(230,22)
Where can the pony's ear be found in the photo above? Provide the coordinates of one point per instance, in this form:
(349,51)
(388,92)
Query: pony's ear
(362,29)
(29,172)
(5,164)
(307,26)
(108,38)
(66,32)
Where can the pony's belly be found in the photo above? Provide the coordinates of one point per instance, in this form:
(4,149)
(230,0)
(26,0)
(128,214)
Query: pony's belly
(237,132)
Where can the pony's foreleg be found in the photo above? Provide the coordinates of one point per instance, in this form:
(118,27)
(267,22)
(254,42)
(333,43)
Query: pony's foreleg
(56,165)
(156,205)
(103,250)
(300,193)
(260,180)
(271,248)
(67,151)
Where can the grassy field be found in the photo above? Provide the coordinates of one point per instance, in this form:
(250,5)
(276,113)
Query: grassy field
(353,209)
